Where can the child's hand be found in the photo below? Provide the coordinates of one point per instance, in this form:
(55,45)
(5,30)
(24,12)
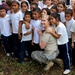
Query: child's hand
(72,45)
(32,43)
(39,32)
(27,25)
(19,36)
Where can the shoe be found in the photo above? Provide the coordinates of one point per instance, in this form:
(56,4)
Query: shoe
(8,54)
(48,66)
(67,71)
(19,61)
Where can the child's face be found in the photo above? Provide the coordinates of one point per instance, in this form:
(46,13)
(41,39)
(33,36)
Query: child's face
(55,2)
(32,7)
(2,12)
(68,17)
(53,10)
(44,12)
(48,2)
(36,15)
(15,6)
(44,22)
(62,0)
(52,20)
(73,4)
(60,8)
(24,7)
(27,18)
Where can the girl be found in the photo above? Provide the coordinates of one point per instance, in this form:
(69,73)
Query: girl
(16,20)
(48,43)
(61,8)
(26,38)
(62,40)
(45,11)
(24,7)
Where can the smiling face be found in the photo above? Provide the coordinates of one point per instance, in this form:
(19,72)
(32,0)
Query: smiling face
(24,7)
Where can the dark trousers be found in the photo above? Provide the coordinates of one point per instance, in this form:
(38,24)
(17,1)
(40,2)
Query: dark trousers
(25,51)
(70,49)
(16,45)
(8,43)
(63,49)
(73,55)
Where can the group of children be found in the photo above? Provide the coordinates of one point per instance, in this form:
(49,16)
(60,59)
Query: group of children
(20,21)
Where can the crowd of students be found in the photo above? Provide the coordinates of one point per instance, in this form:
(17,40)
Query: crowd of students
(40,29)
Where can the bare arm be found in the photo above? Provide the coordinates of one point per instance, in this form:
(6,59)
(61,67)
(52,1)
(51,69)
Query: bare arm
(28,32)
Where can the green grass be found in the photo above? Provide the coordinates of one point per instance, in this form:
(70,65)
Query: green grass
(11,67)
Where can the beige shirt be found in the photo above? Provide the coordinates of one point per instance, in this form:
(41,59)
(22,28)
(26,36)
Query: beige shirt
(51,46)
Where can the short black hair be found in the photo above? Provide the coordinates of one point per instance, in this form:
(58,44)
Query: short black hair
(69,11)
(47,10)
(54,7)
(55,15)
(37,10)
(1,7)
(28,13)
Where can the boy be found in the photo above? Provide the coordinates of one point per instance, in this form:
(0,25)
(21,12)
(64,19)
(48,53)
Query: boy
(69,22)
(5,29)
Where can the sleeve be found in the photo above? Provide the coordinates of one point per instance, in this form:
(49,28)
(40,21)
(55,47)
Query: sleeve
(20,16)
(63,17)
(73,27)
(45,37)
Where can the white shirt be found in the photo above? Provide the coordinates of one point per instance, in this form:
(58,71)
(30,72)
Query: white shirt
(73,29)
(5,25)
(61,29)
(62,16)
(36,24)
(26,37)
(68,27)
(15,18)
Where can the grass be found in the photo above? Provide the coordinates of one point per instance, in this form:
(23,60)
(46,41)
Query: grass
(11,67)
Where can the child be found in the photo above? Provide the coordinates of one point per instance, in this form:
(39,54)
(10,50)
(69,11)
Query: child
(69,22)
(53,9)
(73,8)
(61,8)
(62,40)
(55,2)
(33,5)
(5,29)
(24,7)
(49,4)
(48,43)
(73,42)
(16,20)
(26,38)
(36,23)
(45,11)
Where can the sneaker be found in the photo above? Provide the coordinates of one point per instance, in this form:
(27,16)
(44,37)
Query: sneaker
(8,54)
(48,66)
(67,71)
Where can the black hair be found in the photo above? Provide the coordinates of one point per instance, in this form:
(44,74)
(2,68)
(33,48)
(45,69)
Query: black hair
(28,13)
(69,11)
(47,10)
(24,2)
(8,3)
(54,7)
(55,15)
(15,2)
(36,5)
(37,10)
(1,7)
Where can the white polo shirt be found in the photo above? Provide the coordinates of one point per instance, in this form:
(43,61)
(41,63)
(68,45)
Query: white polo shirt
(5,25)
(61,29)
(15,18)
